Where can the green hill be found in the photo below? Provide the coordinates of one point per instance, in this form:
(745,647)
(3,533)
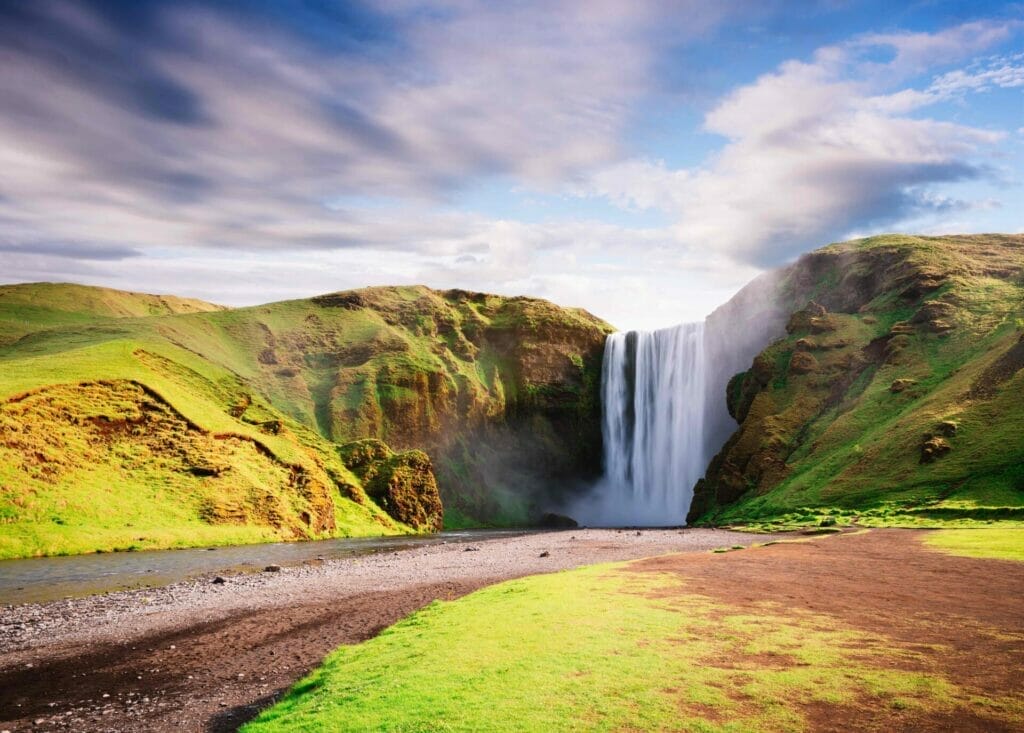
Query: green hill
(34,306)
(897,390)
(131,420)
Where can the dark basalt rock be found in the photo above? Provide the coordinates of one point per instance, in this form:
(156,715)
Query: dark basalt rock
(557,521)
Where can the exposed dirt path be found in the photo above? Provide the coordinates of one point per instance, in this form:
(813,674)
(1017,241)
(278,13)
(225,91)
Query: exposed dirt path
(963,617)
(203,657)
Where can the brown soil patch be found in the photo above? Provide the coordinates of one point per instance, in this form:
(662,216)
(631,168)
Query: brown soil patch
(201,677)
(962,617)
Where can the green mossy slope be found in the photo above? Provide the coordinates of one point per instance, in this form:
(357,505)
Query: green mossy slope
(131,421)
(895,393)
(502,393)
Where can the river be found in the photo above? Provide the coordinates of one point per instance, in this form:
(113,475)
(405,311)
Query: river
(42,579)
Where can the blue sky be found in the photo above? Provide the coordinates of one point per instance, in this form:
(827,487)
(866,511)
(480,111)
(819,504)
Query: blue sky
(640,159)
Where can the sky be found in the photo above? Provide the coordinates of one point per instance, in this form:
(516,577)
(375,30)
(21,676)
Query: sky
(642,160)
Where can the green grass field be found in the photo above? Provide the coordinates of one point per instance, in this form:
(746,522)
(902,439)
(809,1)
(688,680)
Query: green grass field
(1002,543)
(604,649)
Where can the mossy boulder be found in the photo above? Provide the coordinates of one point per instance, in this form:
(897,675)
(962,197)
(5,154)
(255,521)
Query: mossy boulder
(402,484)
(933,448)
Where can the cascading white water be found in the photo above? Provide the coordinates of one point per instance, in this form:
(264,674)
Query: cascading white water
(654,399)
(665,415)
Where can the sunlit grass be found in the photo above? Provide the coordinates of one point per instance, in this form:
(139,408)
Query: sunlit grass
(999,543)
(603,648)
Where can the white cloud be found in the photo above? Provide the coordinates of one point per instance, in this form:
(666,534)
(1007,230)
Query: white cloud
(818,149)
(917,52)
(232,162)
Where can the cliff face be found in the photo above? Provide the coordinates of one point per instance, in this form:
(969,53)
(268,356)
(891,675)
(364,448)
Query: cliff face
(242,420)
(501,393)
(897,381)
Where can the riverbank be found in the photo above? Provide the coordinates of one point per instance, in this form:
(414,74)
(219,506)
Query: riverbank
(200,656)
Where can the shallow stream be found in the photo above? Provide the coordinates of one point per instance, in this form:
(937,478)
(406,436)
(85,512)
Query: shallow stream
(42,579)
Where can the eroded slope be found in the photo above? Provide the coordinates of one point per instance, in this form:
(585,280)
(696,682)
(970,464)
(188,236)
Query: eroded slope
(898,384)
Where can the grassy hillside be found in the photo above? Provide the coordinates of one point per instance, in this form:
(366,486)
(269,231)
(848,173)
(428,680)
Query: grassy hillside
(895,393)
(34,306)
(131,421)
(502,393)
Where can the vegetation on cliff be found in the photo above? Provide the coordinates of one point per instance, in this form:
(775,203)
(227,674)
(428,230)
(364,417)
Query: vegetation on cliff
(895,393)
(132,421)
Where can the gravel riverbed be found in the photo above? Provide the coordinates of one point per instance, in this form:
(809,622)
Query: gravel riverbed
(206,656)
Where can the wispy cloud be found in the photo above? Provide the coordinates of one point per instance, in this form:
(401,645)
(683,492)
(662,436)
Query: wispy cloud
(819,149)
(247,151)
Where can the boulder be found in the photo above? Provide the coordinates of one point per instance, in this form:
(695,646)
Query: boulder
(802,363)
(901,385)
(557,521)
(934,448)
(802,319)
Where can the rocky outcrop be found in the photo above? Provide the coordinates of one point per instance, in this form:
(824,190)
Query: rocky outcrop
(402,484)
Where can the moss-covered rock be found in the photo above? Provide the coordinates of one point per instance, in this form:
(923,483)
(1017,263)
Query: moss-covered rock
(402,484)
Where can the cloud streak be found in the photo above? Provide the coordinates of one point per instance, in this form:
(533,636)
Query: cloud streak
(311,146)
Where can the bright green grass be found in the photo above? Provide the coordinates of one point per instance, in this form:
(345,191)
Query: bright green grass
(106,506)
(602,648)
(1002,544)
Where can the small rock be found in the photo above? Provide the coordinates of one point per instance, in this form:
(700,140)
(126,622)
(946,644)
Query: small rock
(219,580)
(471,549)
(272,569)
(639,533)
(545,554)
(934,448)
(948,428)
(901,384)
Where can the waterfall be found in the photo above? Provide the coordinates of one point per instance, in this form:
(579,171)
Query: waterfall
(664,412)
(654,402)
